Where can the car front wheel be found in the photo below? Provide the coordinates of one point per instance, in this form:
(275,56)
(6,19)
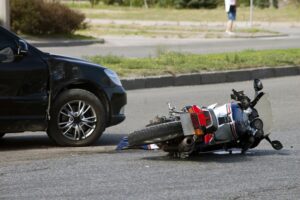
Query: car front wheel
(78,118)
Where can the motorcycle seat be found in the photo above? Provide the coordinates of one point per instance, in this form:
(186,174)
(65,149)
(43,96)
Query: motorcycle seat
(214,125)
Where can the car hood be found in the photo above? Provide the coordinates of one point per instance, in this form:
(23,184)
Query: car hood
(75,61)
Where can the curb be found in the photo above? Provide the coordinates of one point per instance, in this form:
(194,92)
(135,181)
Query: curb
(64,43)
(209,77)
(261,36)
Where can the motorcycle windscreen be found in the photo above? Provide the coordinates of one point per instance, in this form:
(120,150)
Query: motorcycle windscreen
(264,110)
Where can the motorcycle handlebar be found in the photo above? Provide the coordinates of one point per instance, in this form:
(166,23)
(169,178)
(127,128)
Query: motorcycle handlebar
(237,95)
(242,98)
(257,98)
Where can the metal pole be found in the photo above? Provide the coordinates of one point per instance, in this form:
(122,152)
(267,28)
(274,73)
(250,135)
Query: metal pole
(251,13)
(146,4)
(5,13)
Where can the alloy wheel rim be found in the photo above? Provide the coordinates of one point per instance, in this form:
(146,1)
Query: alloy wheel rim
(77,120)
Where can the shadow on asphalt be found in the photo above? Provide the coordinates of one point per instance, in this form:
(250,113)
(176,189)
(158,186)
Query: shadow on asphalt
(222,158)
(41,141)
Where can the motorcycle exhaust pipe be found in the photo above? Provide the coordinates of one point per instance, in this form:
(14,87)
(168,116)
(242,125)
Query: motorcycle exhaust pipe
(186,145)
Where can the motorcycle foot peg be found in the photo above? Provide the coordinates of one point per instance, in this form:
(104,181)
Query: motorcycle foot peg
(247,145)
(275,143)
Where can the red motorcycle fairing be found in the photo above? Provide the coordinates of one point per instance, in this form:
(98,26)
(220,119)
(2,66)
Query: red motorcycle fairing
(200,117)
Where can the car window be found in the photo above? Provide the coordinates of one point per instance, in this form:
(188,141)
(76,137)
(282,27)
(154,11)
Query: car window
(6,40)
(7,43)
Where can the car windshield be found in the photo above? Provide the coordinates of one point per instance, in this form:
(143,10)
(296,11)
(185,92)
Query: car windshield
(264,110)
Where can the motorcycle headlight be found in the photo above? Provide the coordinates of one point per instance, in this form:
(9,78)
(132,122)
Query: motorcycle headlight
(113,77)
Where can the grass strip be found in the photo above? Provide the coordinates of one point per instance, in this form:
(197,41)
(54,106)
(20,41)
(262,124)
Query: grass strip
(178,63)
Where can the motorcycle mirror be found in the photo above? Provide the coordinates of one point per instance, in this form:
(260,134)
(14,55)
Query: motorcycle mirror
(276,145)
(257,85)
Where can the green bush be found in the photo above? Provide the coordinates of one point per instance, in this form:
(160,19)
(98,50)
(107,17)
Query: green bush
(94,2)
(262,3)
(37,17)
(134,3)
(166,3)
(259,3)
(244,2)
(193,4)
(210,4)
(196,4)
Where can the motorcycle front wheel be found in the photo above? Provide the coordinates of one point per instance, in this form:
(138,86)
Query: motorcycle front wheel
(156,134)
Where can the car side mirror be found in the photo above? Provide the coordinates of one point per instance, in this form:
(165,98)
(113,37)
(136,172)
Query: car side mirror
(22,48)
(258,86)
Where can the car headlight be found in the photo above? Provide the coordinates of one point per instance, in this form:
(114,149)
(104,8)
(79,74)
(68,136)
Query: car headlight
(113,77)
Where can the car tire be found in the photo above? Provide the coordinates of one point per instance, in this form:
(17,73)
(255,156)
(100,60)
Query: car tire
(78,118)
(156,134)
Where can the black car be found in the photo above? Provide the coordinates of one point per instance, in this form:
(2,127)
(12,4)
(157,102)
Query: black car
(71,99)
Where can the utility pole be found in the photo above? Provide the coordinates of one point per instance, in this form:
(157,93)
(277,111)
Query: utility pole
(146,4)
(251,13)
(5,13)
(271,2)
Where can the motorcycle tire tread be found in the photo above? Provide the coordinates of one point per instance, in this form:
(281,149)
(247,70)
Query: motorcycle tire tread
(156,133)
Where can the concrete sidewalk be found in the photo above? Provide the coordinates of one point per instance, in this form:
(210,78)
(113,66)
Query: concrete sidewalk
(283,28)
(63,42)
(141,41)
(239,24)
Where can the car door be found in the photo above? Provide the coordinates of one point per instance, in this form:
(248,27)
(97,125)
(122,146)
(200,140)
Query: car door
(23,87)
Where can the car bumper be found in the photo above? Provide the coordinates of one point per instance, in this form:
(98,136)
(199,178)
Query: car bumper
(118,100)
(116,119)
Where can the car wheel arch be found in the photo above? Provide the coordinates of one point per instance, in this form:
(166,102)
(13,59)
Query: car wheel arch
(88,87)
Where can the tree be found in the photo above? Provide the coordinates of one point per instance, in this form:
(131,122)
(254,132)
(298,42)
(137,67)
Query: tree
(94,2)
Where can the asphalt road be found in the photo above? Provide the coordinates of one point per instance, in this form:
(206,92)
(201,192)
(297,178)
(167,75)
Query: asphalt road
(32,168)
(135,47)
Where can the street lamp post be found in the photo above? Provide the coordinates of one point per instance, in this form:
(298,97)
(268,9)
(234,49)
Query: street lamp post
(251,13)
(5,13)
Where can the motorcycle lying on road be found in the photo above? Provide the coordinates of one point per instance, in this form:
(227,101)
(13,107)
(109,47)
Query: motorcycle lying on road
(240,124)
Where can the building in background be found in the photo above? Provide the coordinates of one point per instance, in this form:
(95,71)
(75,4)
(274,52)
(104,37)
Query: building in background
(5,13)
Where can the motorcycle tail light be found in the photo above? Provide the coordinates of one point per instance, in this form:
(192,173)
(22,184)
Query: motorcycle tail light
(208,138)
(195,121)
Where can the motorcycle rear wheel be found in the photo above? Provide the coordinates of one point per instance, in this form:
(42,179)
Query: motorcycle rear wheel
(156,134)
